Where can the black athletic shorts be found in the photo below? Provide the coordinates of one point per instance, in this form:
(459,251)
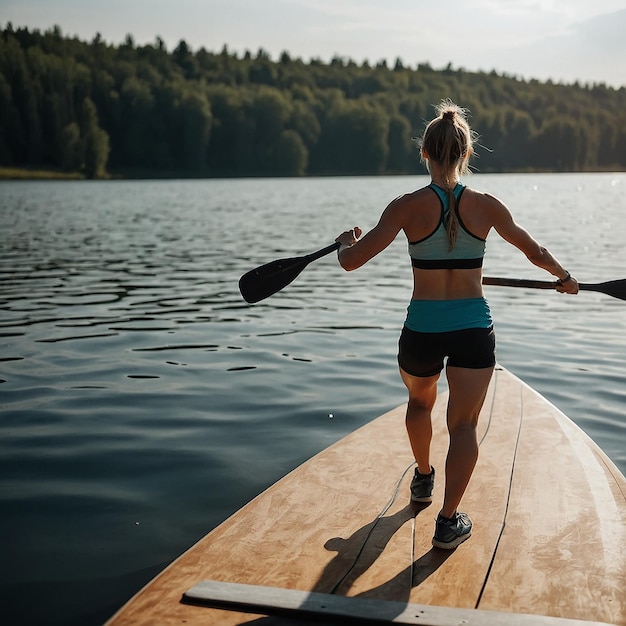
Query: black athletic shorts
(422,354)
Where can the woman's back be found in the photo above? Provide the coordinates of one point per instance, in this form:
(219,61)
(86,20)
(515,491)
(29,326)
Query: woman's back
(441,270)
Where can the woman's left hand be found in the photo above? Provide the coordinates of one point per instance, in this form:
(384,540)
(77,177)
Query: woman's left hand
(568,286)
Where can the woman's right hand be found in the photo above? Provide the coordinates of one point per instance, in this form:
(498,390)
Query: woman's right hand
(349,237)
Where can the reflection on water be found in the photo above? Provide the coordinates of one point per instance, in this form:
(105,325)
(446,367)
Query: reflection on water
(143,401)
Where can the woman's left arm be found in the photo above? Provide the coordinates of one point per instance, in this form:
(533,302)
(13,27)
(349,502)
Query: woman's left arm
(356,251)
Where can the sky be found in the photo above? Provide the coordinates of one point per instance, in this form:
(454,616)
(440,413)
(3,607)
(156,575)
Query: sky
(561,40)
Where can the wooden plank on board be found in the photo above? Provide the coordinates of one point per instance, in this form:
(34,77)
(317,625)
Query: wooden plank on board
(304,605)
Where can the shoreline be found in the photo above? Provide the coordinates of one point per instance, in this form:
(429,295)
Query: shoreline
(23,173)
(34,174)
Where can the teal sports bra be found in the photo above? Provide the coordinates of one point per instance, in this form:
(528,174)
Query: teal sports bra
(433,251)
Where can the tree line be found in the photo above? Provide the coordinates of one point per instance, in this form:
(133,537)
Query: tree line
(130,110)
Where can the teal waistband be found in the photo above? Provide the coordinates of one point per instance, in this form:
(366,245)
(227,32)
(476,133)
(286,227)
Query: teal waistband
(440,316)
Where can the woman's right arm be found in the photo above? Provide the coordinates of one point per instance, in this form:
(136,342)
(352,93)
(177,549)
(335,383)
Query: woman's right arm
(537,254)
(356,250)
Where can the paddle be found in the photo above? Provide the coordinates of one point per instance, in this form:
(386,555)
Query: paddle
(615,288)
(264,281)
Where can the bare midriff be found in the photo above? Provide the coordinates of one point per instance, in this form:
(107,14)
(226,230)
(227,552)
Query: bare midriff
(447,284)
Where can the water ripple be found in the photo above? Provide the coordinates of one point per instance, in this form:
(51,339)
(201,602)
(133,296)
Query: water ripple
(131,368)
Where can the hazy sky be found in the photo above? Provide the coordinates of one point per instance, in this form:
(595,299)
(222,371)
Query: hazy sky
(565,40)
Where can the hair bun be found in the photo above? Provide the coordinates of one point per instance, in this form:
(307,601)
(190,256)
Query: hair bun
(448,115)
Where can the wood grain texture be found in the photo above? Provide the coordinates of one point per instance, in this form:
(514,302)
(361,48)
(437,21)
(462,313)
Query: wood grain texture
(548,509)
(564,544)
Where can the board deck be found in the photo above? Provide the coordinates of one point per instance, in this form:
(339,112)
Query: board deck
(548,506)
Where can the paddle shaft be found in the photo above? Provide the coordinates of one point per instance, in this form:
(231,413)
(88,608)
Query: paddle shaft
(615,288)
(266,280)
(323,252)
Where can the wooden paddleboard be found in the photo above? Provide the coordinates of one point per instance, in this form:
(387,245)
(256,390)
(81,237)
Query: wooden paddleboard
(338,538)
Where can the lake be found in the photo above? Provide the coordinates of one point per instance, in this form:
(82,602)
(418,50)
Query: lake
(142,401)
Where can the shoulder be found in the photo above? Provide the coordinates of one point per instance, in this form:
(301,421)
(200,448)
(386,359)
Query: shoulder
(403,208)
(412,199)
(481,196)
(485,202)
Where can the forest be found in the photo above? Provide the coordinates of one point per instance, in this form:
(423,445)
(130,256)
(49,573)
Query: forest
(143,111)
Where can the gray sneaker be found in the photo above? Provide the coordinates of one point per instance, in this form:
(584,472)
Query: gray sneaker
(449,533)
(422,486)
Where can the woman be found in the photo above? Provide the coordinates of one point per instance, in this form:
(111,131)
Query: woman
(446,225)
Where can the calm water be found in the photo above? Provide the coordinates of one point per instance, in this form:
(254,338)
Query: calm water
(142,401)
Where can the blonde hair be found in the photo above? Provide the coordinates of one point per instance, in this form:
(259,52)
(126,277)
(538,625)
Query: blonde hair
(448,140)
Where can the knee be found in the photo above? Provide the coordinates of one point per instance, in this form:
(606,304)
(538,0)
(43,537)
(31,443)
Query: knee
(463,429)
(420,404)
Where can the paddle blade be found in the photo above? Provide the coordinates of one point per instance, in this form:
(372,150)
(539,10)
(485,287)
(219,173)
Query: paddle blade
(264,281)
(615,288)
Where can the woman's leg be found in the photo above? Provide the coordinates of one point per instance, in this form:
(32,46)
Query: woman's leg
(468,388)
(422,396)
